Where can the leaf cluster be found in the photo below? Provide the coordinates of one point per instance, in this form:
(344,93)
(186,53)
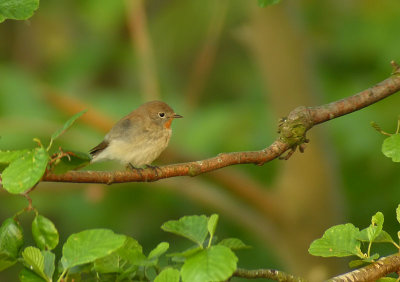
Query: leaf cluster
(102,255)
(346,240)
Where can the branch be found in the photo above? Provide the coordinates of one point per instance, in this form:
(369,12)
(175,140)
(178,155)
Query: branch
(292,130)
(373,271)
(266,273)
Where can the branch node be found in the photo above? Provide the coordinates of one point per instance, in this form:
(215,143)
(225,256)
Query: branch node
(396,68)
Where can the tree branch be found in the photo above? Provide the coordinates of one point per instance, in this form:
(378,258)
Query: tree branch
(373,271)
(266,273)
(292,130)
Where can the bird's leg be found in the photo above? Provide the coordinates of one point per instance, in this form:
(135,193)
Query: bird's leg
(154,168)
(130,166)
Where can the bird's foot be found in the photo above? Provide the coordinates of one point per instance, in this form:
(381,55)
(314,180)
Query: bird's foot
(156,169)
(130,167)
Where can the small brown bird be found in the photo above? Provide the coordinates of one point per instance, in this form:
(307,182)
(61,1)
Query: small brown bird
(138,138)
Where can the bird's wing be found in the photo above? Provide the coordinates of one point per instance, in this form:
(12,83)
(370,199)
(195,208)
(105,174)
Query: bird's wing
(99,148)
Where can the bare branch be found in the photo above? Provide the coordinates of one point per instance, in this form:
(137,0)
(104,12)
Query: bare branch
(266,273)
(373,271)
(292,130)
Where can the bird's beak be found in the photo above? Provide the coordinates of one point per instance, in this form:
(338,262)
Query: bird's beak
(177,116)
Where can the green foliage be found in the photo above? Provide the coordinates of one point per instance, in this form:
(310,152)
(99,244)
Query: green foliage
(216,263)
(345,240)
(391,147)
(24,168)
(194,228)
(34,260)
(44,233)
(11,241)
(17,9)
(102,255)
(168,275)
(264,3)
(338,241)
(90,245)
(233,244)
(24,172)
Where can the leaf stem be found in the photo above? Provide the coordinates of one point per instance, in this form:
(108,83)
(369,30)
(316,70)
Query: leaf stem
(62,275)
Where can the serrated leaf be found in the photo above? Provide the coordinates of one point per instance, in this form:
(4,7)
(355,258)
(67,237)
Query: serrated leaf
(216,263)
(168,275)
(24,172)
(234,244)
(17,9)
(34,260)
(124,260)
(191,227)
(76,160)
(11,241)
(90,245)
(8,156)
(159,250)
(212,224)
(27,275)
(337,241)
(264,3)
(44,233)
(66,126)
(391,147)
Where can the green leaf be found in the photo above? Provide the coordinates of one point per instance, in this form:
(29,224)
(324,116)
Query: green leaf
(398,213)
(375,228)
(17,9)
(34,260)
(264,3)
(234,244)
(7,157)
(90,245)
(49,266)
(181,256)
(27,275)
(391,147)
(44,233)
(212,225)
(66,126)
(76,160)
(337,241)
(24,172)
(383,236)
(124,260)
(159,250)
(216,263)
(11,241)
(191,227)
(168,275)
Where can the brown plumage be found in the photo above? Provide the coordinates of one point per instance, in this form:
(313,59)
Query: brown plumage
(138,138)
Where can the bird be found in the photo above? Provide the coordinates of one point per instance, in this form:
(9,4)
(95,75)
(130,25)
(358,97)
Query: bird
(139,138)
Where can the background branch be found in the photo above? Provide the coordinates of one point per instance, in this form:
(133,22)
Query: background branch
(292,133)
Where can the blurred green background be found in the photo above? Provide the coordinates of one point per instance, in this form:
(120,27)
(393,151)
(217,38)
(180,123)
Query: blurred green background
(232,69)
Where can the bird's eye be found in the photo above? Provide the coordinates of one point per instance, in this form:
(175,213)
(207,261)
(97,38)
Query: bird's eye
(161,115)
